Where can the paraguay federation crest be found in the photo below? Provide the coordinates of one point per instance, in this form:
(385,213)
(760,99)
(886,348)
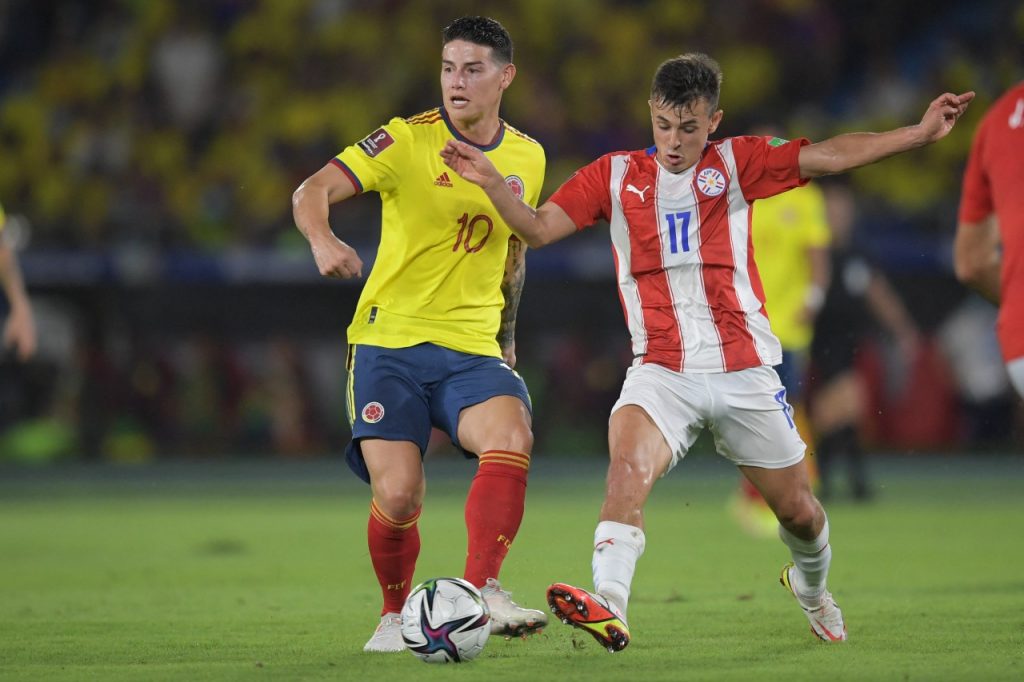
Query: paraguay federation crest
(515,183)
(373,412)
(711,182)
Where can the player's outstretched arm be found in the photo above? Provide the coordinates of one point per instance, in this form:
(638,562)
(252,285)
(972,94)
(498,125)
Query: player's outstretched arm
(310,206)
(536,227)
(846,152)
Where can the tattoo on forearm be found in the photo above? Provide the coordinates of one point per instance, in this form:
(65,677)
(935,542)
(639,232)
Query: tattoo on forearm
(512,289)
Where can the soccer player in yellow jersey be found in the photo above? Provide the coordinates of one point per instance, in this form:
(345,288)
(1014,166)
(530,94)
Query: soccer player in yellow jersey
(791,239)
(432,340)
(19,331)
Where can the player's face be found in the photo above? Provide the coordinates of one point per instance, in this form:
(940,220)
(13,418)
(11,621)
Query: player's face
(681,133)
(471,81)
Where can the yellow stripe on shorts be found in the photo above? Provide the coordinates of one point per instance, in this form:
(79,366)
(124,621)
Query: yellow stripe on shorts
(350,388)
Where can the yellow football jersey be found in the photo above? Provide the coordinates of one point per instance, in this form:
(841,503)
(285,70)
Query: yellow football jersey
(3,218)
(438,272)
(785,227)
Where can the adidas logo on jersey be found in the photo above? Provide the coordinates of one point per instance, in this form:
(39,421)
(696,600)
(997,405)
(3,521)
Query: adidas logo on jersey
(443,180)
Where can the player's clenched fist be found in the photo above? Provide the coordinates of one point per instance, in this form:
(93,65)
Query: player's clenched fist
(335,258)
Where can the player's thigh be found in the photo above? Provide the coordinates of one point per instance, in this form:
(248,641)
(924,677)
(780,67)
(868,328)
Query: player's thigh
(499,423)
(669,407)
(636,445)
(752,422)
(482,405)
(387,398)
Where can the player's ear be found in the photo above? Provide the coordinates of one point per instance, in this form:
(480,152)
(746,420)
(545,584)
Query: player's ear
(508,72)
(716,118)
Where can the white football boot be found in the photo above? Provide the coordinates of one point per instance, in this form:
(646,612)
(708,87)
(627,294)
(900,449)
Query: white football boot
(387,638)
(826,619)
(508,618)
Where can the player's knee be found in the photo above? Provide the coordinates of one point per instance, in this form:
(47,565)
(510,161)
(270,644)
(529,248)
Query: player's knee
(398,502)
(800,515)
(516,438)
(632,465)
(522,439)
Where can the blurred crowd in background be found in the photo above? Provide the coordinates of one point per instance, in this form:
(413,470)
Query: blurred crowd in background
(147,147)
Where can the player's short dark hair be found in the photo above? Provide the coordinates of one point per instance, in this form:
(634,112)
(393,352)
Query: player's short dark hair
(481,31)
(682,80)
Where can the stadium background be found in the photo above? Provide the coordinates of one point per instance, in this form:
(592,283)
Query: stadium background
(148,150)
(198,523)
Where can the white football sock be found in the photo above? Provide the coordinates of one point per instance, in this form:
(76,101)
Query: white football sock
(617,547)
(812,559)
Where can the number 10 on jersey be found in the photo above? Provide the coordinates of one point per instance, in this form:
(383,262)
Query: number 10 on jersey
(467,226)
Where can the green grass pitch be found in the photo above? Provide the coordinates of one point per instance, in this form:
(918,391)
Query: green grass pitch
(268,578)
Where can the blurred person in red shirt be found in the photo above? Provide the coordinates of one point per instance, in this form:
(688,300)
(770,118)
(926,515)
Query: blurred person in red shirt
(988,253)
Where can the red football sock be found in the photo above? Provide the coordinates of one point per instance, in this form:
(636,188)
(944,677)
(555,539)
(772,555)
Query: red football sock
(494,510)
(394,546)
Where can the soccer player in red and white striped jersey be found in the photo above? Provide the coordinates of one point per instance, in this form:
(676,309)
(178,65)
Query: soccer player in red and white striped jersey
(680,215)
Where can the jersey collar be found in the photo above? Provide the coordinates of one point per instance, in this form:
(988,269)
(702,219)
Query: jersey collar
(462,138)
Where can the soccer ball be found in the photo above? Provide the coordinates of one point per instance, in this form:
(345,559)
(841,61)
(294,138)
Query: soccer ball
(445,620)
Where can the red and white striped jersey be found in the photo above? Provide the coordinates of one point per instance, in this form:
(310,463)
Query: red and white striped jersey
(684,259)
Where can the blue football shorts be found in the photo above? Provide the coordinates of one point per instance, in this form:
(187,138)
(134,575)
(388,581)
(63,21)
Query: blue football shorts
(400,393)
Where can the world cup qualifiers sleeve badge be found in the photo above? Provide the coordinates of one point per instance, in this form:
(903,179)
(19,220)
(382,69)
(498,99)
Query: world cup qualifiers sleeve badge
(376,142)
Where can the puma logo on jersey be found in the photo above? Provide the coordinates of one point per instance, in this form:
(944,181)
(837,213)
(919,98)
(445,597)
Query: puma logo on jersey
(1017,117)
(638,192)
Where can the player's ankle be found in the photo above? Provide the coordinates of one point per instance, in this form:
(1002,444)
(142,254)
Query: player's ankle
(616,599)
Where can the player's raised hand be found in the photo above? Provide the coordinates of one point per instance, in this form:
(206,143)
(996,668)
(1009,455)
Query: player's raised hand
(942,114)
(470,163)
(335,258)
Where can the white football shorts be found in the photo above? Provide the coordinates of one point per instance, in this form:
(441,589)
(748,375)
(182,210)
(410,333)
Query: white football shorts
(746,412)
